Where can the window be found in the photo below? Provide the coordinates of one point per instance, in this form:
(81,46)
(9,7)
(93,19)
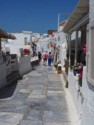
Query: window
(25,41)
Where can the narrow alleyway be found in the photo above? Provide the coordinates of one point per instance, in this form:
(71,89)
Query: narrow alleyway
(38,99)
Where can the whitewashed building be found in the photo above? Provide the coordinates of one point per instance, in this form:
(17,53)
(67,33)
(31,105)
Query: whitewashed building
(22,39)
(44,43)
(61,42)
(18,47)
(82,20)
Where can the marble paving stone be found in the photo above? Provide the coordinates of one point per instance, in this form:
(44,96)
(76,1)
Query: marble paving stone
(53,77)
(20,96)
(23,81)
(25,90)
(56,116)
(14,108)
(50,70)
(53,97)
(55,85)
(56,101)
(54,88)
(8,118)
(37,94)
(35,86)
(57,123)
(37,83)
(37,80)
(37,106)
(56,106)
(30,122)
(55,92)
(35,76)
(37,101)
(35,115)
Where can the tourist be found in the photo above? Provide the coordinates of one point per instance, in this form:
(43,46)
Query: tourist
(39,56)
(49,59)
(44,58)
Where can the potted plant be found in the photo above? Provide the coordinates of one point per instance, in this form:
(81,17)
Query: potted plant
(59,69)
(56,64)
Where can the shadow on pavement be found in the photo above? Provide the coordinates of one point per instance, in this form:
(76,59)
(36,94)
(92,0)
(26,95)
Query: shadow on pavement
(8,90)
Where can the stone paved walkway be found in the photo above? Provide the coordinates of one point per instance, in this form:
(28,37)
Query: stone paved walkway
(39,99)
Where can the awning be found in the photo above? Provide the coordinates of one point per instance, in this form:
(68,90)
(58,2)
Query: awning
(4,34)
(79,12)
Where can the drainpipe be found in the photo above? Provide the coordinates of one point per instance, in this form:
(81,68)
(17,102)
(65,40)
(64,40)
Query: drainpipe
(76,46)
(69,42)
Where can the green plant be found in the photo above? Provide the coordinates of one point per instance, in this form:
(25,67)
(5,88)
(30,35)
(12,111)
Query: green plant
(55,65)
(59,68)
(66,84)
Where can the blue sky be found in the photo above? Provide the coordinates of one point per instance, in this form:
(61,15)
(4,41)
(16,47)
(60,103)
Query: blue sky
(33,15)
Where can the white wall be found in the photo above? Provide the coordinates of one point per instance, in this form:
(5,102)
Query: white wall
(61,41)
(88,88)
(73,88)
(24,65)
(43,44)
(85,105)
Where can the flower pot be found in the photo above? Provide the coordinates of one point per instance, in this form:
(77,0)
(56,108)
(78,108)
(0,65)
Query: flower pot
(59,71)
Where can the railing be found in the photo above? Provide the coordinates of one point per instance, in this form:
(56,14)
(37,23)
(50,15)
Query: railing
(1,58)
(11,64)
(8,65)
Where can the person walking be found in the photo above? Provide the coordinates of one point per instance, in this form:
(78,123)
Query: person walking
(39,56)
(49,59)
(44,58)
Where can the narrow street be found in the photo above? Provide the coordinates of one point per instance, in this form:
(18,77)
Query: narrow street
(38,99)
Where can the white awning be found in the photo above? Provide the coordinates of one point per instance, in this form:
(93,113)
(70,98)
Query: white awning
(79,12)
